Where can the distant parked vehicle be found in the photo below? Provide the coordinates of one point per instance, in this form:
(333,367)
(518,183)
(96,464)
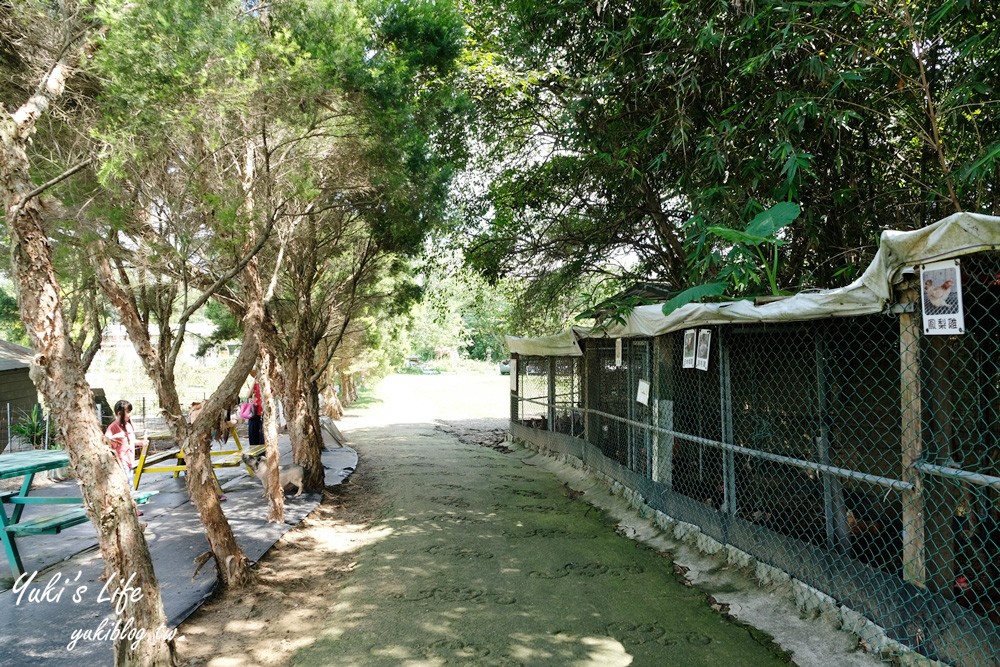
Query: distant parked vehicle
(505,367)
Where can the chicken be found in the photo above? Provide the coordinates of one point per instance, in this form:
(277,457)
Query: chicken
(859,527)
(981,599)
(937,295)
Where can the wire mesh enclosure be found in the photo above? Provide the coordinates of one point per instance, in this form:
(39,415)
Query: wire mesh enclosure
(533,391)
(860,455)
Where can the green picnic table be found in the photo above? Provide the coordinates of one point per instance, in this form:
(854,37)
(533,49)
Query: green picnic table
(12,526)
(27,465)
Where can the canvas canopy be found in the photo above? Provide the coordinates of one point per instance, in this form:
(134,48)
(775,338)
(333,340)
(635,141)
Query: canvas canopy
(560,345)
(899,253)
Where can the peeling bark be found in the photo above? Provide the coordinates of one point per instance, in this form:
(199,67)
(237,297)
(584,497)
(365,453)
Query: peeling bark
(275,494)
(302,399)
(333,408)
(59,376)
(233,566)
(349,392)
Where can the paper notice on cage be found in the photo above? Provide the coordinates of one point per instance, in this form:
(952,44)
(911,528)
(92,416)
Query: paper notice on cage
(690,341)
(643,394)
(941,298)
(618,352)
(704,346)
(513,375)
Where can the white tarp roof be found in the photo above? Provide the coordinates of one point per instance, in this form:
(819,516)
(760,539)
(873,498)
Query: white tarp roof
(560,345)
(899,252)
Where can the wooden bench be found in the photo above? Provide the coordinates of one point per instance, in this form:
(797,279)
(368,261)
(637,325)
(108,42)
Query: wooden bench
(157,457)
(26,465)
(153,461)
(50,525)
(140,498)
(54,524)
(148,462)
(236,458)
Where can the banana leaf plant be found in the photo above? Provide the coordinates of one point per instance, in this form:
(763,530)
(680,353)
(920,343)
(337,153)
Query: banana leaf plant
(759,243)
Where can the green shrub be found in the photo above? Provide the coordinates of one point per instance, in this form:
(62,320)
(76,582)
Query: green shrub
(31,427)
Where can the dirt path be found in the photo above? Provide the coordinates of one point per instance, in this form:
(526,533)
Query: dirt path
(448,547)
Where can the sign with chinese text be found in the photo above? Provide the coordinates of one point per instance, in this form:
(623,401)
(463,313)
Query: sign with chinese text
(941,298)
(704,346)
(690,342)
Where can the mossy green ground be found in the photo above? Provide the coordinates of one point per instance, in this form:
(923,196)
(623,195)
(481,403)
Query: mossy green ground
(484,559)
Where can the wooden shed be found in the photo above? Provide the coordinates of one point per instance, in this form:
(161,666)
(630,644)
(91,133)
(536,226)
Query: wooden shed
(18,394)
(16,387)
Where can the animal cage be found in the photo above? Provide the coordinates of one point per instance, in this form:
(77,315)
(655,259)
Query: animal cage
(850,438)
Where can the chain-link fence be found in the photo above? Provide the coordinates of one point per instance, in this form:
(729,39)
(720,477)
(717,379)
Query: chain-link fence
(22,430)
(856,454)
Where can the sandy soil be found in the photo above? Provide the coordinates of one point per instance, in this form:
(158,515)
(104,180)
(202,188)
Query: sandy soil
(296,587)
(306,606)
(299,579)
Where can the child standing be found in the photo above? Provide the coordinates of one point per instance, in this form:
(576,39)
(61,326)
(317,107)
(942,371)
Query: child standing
(255,425)
(121,433)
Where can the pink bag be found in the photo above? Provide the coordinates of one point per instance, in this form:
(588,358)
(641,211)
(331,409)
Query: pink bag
(246,410)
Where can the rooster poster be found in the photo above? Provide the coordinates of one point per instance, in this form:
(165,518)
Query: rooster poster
(690,337)
(704,344)
(941,298)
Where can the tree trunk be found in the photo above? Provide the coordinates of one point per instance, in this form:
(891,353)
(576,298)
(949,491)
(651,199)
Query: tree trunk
(232,564)
(274,492)
(57,373)
(302,403)
(349,392)
(312,454)
(333,409)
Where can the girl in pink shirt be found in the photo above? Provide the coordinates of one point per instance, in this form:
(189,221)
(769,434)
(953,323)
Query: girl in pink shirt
(121,433)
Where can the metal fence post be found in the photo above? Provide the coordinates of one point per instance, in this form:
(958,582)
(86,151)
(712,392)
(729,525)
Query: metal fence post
(630,408)
(663,417)
(577,394)
(726,405)
(589,395)
(650,371)
(552,395)
(665,422)
(515,412)
(834,509)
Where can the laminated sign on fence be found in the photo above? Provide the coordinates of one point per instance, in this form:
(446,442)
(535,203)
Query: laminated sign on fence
(690,343)
(704,345)
(941,294)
